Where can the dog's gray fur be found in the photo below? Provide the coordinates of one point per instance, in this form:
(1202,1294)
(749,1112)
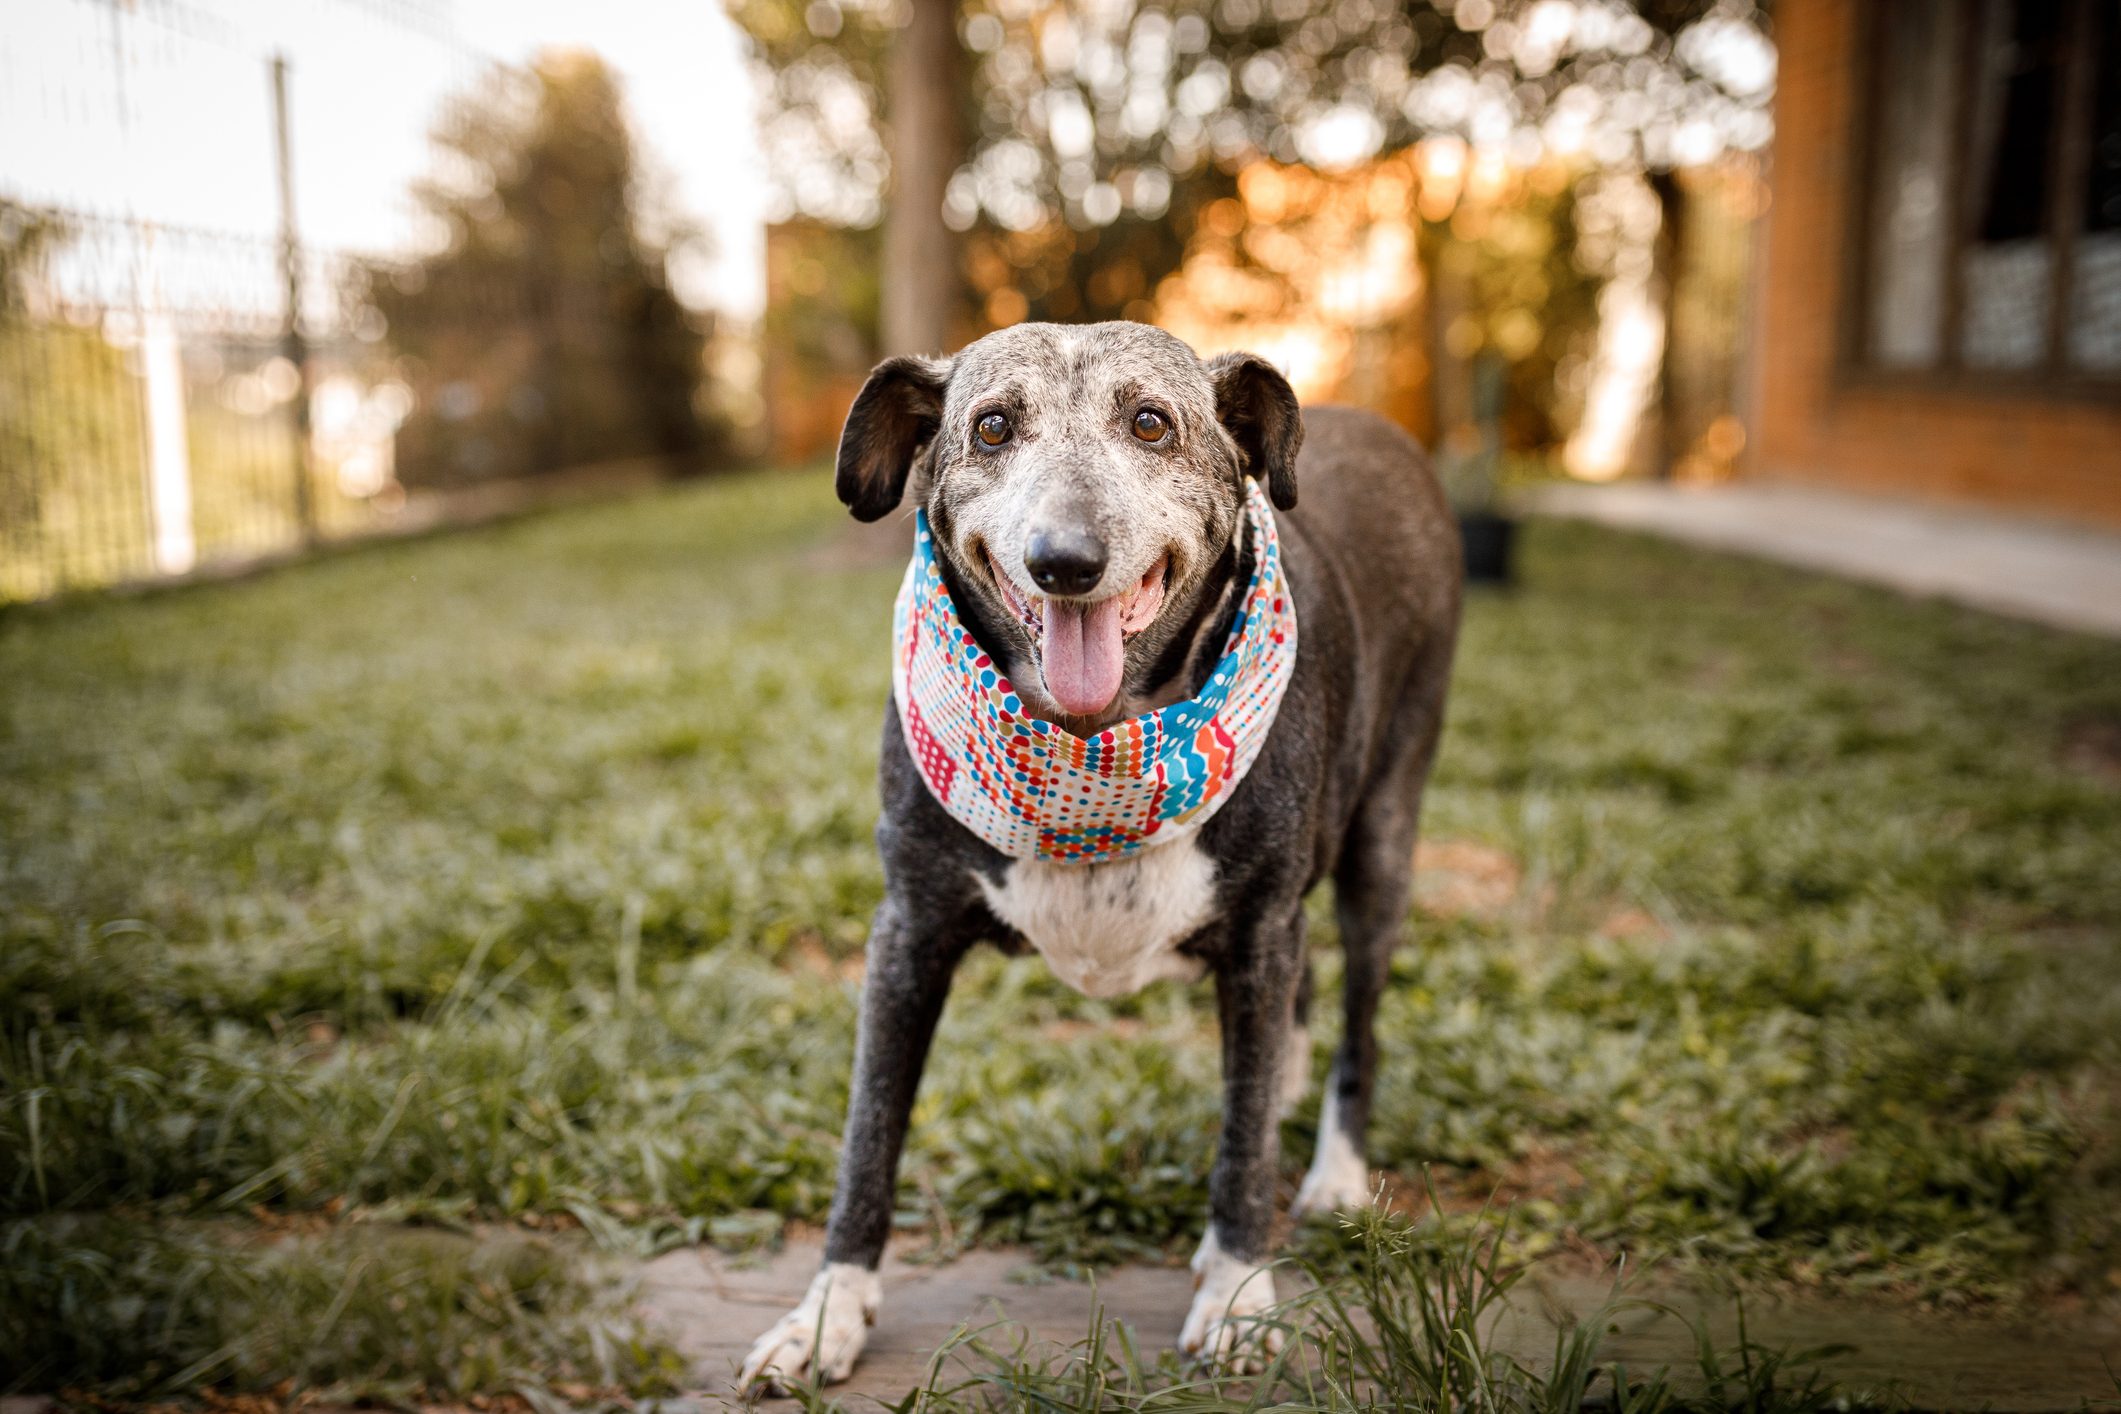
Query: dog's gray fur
(1373,563)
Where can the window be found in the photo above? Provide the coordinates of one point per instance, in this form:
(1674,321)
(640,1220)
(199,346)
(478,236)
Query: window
(1991,193)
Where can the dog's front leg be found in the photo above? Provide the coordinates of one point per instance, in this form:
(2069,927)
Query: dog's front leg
(1255,992)
(902,997)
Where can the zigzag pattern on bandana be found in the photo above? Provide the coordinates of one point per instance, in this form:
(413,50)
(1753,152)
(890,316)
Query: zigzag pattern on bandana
(1037,791)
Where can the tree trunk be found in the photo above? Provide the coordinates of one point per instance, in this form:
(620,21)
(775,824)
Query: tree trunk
(921,286)
(1666,432)
(1428,238)
(1444,299)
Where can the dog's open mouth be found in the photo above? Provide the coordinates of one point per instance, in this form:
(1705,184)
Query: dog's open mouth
(1082,645)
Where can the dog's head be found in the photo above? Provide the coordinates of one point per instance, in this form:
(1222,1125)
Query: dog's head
(1083,484)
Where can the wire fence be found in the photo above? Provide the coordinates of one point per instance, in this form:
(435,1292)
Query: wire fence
(178,400)
(175,398)
(158,414)
(162,408)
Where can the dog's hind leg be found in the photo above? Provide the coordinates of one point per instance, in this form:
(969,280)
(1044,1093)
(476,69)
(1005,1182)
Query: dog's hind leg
(908,977)
(1373,883)
(1296,1068)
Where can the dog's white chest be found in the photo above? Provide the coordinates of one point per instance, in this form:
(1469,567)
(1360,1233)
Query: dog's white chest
(1110,929)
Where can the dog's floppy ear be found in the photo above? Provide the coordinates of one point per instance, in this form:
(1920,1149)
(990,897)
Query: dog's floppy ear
(897,410)
(1259,408)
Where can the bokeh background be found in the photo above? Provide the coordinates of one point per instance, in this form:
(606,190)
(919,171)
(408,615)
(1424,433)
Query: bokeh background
(404,937)
(275,274)
(247,306)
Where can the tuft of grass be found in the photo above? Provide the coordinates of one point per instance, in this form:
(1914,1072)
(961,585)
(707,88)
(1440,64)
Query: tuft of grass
(1400,1318)
(136,1311)
(1407,1318)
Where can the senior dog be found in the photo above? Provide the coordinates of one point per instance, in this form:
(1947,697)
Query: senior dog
(1136,717)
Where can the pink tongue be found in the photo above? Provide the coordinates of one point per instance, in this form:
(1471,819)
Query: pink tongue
(1083,655)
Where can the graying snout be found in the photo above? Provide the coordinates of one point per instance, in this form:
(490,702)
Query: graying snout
(1065,561)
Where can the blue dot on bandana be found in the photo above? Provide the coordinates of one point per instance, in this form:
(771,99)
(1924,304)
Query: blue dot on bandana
(1011,703)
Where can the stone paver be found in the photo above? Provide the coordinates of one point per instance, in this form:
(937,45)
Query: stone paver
(712,1306)
(2065,575)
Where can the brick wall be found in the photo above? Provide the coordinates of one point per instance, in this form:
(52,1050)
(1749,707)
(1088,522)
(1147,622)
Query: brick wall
(1818,422)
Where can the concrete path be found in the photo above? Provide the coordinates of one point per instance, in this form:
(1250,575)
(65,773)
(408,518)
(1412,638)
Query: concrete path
(712,1306)
(2065,575)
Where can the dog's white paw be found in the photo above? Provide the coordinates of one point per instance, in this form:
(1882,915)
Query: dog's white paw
(822,1337)
(1338,1180)
(1228,1326)
(1295,1070)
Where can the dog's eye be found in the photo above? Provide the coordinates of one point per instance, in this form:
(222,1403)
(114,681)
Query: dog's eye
(993,429)
(1150,426)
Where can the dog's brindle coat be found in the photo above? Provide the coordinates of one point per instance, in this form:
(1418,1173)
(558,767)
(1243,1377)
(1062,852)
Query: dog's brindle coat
(1372,559)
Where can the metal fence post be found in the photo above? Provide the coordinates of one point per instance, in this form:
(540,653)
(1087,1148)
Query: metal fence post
(293,345)
(172,537)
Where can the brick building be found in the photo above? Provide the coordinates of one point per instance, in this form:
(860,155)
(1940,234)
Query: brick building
(1940,309)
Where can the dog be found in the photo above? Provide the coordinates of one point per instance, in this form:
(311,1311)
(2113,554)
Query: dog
(1084,490)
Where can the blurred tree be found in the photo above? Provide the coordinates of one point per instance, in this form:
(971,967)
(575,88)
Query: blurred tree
(827,69)
(1698,434)
(921,287)
(1100,130)
(27,236)
(820,331)
(72,441)
(544,333)
(1523,301)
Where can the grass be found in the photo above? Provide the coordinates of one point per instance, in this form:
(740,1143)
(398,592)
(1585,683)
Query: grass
(349,1315)
(522,876)
(1400,1317)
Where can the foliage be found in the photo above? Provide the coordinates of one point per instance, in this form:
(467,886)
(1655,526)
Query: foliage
(357,1315)
(1077,105)
(27,237)
(545,333)
(1516,291)
(72,505)
(1713,259)
(820,334)
(1101,132)
(1065,274)
(523,875)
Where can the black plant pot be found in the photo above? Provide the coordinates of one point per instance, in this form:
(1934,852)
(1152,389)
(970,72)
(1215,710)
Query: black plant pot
(1488,539)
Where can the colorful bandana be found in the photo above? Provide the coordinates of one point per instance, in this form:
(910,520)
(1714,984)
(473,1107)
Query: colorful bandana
(1037,791)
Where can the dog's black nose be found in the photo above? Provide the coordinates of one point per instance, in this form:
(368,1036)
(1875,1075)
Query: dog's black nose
(1065,561)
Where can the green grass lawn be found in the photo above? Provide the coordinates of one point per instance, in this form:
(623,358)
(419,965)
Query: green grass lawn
(521,876)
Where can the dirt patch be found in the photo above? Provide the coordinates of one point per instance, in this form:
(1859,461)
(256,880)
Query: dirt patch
(1463,879)
(806,953)
(1625,925)
(2092,747)
(1074,1028)
(1543,1173)
(863,547)
(1714,673)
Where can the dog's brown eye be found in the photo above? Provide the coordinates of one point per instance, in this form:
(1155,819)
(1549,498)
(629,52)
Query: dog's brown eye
(993,429)
(1149,426)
